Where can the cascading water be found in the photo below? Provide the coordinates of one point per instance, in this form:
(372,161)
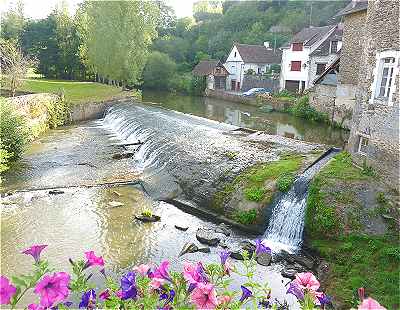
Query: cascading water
(285,229)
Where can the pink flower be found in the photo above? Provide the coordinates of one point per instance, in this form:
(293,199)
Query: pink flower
(104,295)
(35,251)
(93,259)
(162,271)
(190,273)
(224,299)
(35,307)
(156,283)
(7,290)
(119,293)
(53,289)
(306,280)
(370,304)
(204,296)
(142,269)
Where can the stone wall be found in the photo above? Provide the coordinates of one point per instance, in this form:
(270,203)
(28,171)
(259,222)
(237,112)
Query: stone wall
(373,119)
(250,82)
(323,99)
(353,42)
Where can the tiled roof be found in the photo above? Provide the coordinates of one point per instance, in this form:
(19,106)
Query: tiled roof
(323,49)
(308,36)
(353,7)
(258,54)
(205,67)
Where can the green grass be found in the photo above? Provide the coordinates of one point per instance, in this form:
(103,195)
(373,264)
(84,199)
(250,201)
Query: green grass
(75,92)
(246,217)
(285,181)
(253,180)
(362,261)
(335,231)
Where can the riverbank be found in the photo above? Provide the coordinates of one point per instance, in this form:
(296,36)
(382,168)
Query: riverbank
(352,223)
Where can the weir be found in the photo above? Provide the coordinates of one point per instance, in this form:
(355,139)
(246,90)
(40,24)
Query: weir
(286,225)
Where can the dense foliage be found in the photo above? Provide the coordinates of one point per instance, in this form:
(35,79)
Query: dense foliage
(302,108)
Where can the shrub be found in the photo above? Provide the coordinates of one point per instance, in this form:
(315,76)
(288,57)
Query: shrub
(254,193)
(158,72)
(246,217)
(301,108)
(59,111)
(285,181)
(13,135)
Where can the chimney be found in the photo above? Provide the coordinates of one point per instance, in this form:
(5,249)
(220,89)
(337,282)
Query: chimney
(266,44)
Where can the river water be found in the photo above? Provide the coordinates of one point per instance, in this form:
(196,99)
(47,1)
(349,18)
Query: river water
(241,115)
(78,160)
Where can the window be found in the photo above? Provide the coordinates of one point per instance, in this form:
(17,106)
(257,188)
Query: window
(362,145)
(334,47)
(297,47)
(235,55)
(259,70)
(320,68)
(295,66)
(217,70)
(386,78)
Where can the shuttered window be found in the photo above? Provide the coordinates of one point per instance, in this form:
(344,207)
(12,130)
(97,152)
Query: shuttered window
(295,66)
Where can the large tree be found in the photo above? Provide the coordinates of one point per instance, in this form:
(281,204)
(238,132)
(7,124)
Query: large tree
(116,37)
(12,22)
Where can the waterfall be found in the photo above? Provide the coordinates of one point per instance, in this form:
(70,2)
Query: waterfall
(285,229)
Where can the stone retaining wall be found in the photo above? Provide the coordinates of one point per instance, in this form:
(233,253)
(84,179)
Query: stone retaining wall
(275,103)
(323,99)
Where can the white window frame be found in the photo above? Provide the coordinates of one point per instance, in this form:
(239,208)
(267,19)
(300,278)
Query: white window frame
(360,139)
(378,71)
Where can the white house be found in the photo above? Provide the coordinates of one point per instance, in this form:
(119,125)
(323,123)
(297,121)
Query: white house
(243,57)
(295,67)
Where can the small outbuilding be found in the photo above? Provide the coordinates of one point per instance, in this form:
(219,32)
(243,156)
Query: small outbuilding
(215,73)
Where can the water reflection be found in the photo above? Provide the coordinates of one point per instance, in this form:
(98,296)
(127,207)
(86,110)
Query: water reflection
(241,115)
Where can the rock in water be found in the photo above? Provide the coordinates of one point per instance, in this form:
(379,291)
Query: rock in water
(188,248)
(207,236)
(115,204)
(248,246)
(144,218)
(289,273)
(123,155)
(223,229)
(264,259)
(56,192)
(204,250)
(305,261)
(183,228)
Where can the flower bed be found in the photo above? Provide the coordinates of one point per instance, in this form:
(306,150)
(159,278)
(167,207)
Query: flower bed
(156,287)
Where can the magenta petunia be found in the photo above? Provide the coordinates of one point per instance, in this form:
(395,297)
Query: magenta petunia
(93,260)
(204,296)
(35,251)
(306,280)
(53,289)
(7,290)
(35,307)
(162,271)
(142,269)
(104,295)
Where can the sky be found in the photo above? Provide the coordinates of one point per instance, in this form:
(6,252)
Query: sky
(41,8)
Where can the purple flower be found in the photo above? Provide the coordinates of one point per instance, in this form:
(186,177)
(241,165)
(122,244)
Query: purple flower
(324,299)
(202,273)
(35,251)
(128,286)
(224,256)
(246,293)
(88,300)
(261,248)
(167,297)
(295,290)
(162,271)
(192,286)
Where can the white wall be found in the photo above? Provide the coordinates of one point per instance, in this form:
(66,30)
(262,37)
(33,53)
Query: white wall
(287,57)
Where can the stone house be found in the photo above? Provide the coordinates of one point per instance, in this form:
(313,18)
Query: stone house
(215,73)
(295,67)
(245,57)
(374,135)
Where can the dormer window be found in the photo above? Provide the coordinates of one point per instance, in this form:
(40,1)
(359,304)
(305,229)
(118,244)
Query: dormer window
(297,47)
(334,47)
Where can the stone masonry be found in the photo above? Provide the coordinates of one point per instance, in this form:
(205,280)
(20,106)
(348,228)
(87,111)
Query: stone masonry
(374,119)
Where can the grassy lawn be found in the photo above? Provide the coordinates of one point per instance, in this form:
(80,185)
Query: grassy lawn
(75,92)
(336,227)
